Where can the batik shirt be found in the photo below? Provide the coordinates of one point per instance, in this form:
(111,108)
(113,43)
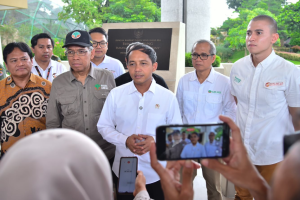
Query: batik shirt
(22,110)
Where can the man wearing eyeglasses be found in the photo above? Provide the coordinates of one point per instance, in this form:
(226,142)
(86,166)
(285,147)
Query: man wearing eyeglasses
(203,95)
(101,60)
(77,96)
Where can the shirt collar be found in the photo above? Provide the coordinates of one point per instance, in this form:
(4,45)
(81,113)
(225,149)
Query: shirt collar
(267,61)
(210,78)
(106,59)
(36,64)
(91,73)
(133,89)
(9,79)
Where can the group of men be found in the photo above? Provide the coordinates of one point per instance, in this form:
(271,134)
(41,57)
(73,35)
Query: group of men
(262,94)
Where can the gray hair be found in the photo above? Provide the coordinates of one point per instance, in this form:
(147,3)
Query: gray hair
(212,50)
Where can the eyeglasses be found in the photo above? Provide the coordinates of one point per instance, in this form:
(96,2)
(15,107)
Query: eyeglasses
(71,53)
(202,56)
(101,44)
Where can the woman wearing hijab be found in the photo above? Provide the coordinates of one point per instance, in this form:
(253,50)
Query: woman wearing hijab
(57,164)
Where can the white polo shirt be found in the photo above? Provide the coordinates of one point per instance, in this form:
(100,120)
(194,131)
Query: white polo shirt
(264,94)
(203,103)
(111,64)
(127,112)
(56,68)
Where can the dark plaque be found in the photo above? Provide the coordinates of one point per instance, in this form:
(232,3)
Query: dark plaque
(158,38)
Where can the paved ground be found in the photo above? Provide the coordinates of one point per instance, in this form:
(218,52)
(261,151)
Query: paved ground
(200,192)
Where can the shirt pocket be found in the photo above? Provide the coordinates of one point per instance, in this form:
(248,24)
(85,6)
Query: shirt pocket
(98,101)
(213,103)
(69,105)
(270,100)
(154,120)
(188,103)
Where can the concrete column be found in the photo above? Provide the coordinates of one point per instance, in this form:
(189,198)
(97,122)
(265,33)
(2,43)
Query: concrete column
(197,21)
(172,10)
(194,13)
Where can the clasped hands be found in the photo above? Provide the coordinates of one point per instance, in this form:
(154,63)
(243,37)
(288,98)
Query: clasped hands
(139,148)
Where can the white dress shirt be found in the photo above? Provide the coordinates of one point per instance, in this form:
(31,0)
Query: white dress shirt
(203,103)
(212,149)
(264,93)
(56,69)
(191,151)
(111,64)
(127,112)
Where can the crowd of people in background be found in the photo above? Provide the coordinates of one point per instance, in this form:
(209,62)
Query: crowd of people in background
(86,118)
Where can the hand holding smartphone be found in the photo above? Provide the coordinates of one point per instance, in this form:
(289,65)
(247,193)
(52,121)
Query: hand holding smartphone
(180,142)
(127,175)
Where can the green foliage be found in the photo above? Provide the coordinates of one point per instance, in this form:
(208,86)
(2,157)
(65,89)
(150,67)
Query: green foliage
(96,12)
(58,50)
(188,60)
(217,62)
(290,16)
(237,34)
(224,52)
(273,6)
(288,56)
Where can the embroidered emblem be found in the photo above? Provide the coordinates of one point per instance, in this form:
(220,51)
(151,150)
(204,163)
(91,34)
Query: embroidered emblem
(97,86)
(43,83)
(1,73)
(218,92)
(76,35)
(236,79)
(268,84)
(157,106)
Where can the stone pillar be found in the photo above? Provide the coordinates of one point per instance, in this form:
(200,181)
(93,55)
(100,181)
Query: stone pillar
(197,21)
(194,13)
(172,10)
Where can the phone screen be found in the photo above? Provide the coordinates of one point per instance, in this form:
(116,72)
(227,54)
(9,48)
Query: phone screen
(127,174)
(176,142)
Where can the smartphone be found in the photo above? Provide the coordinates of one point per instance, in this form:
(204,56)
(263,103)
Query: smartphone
(289,140)
(181,142)
(127,175)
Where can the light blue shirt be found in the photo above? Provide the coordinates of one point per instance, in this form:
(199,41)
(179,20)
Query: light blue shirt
(211,149)
(111,64)
(191,151)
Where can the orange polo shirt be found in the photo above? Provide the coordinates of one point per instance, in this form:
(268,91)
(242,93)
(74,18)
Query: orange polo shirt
(22,110)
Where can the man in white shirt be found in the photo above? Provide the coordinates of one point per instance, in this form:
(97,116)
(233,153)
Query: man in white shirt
(203,95)
(267,90)
(194,149)
(211,148)
(42,46)
(132,112)
(101,60)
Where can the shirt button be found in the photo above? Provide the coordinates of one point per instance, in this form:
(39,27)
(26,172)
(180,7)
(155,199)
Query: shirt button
(87,129)
(86,115)
(84,101)
(83,87)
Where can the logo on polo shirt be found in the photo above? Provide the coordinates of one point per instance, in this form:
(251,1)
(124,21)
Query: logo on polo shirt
(76,35)
(104,87)
(236,79)
(210,91)
(269,84)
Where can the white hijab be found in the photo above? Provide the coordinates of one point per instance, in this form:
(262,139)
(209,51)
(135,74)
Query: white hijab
(55,164)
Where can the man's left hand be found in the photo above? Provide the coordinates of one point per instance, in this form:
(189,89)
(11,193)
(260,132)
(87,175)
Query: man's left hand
(145,144)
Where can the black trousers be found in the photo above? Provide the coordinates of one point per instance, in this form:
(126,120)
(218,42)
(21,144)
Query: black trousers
(154,190)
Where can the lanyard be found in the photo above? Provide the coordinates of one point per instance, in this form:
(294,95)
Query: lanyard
(37,69)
